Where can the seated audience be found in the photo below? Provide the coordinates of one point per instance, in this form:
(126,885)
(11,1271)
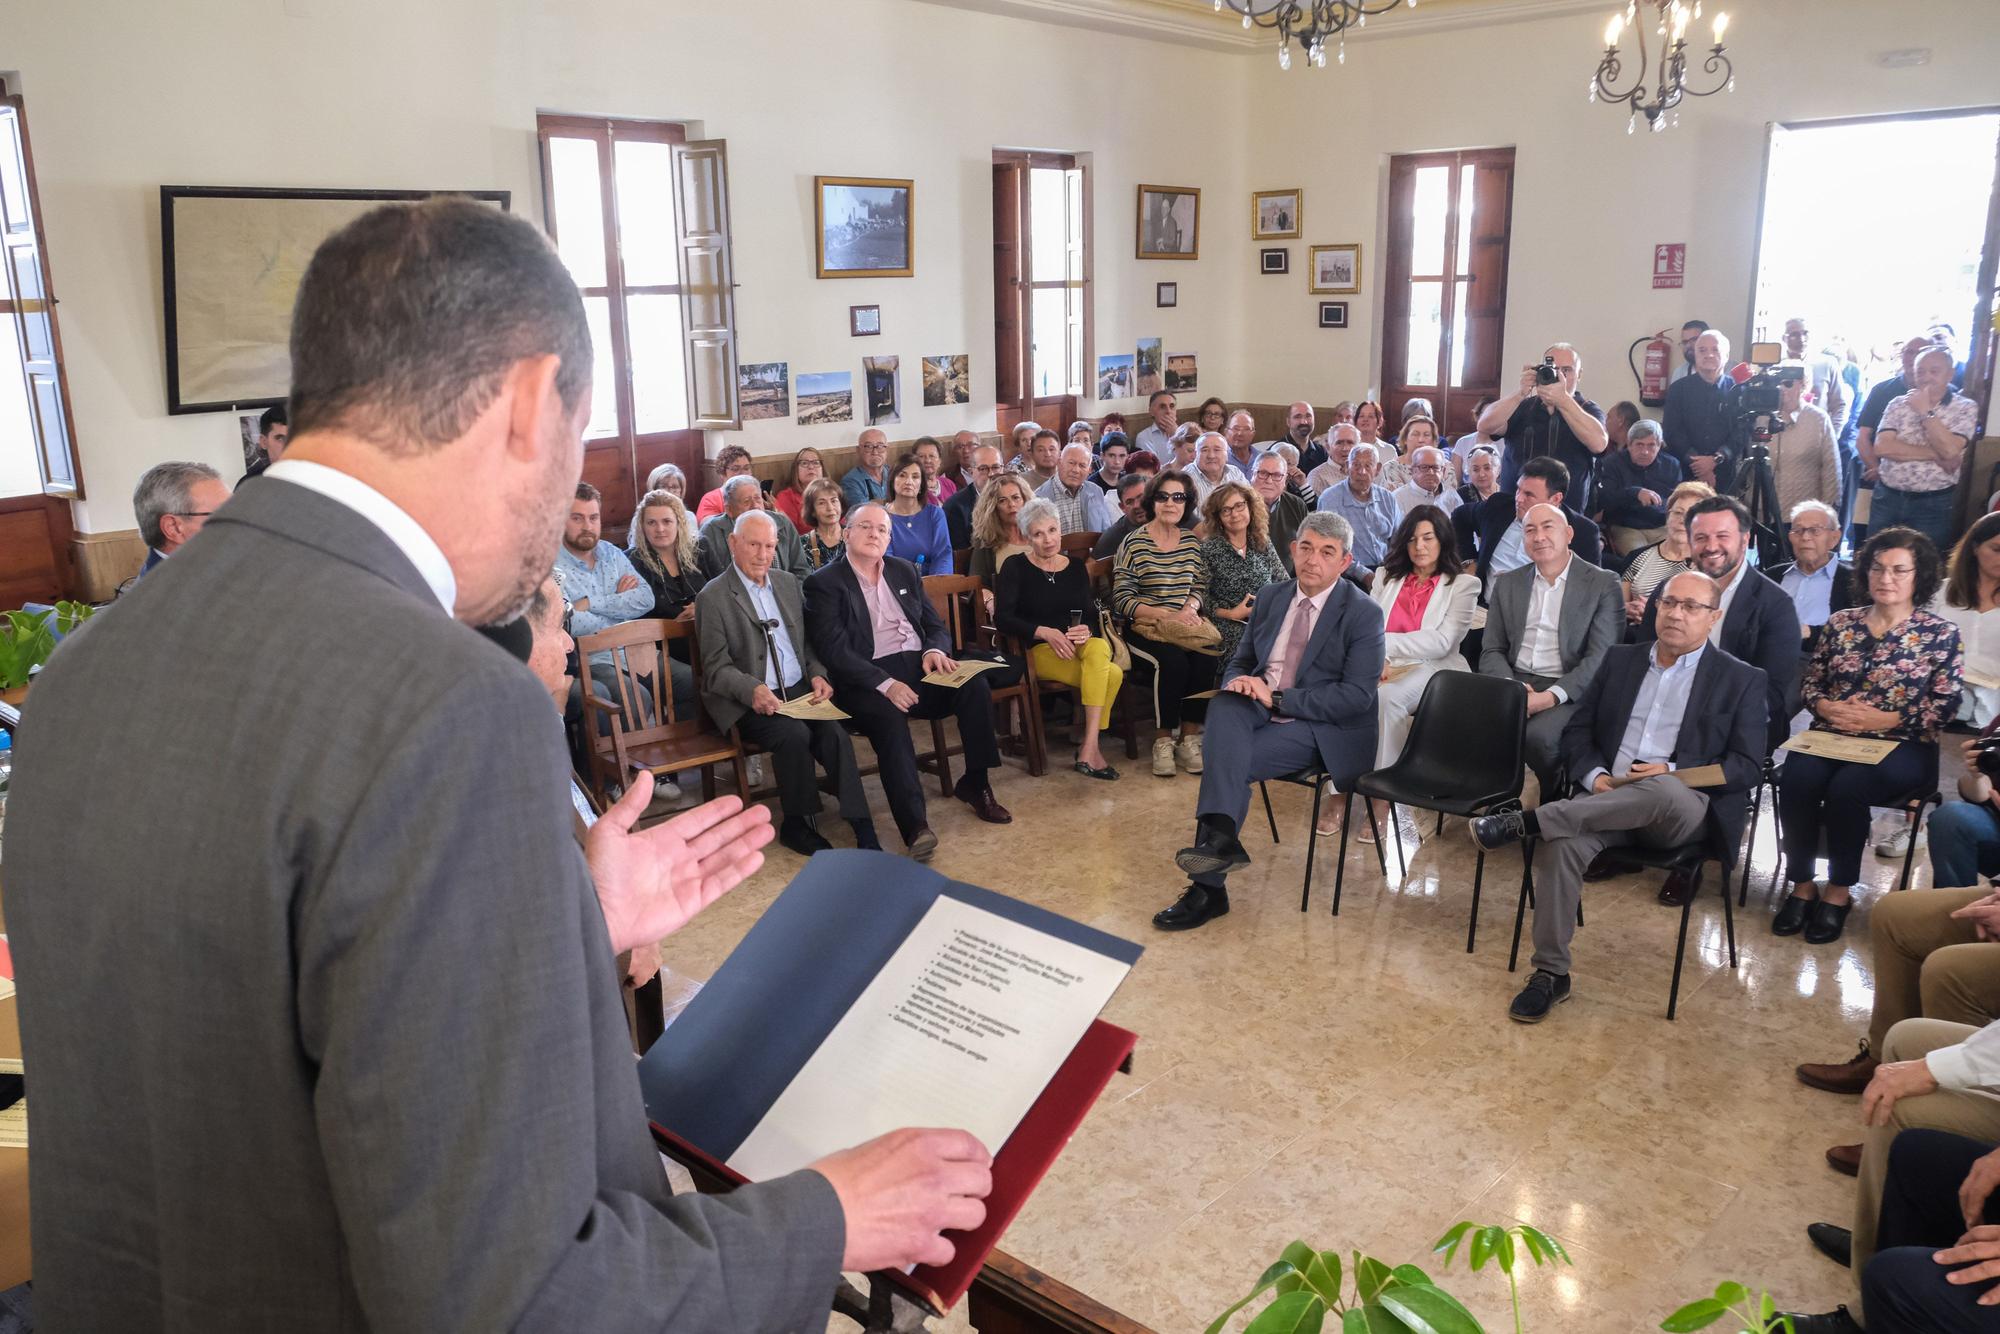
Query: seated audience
(868,620)
(1490,534)
(1677,703)
(1462,447)
(660,546)
(1239,557)
(1182,447)
(1427,484)
(1549,624)
(1211,415)
(1299,693)
(807,468)
(1283,508)
(1971,601)
(1157,585)
(986,465)
(1240,437)
(668,477)
(1371,510)
(1551,421)
(603,590)
(1427,597)
(740,495)
(1481,465)
(1920,448)
(918,532)
(1159,433)
(868,479)
(1652,566)
(1299,435)
(756,656)
(1818,582)
(1886,669)
(1341,438)
(1805,453)
(1368,421)
(1043,598)
(1043,452)
(1080,506)
(962,447)
(1633,484)
(1017,444)
(730,461)
(995,535)
(1111,454)
(1110,424)
(274,432)
(173,502)
(824,540)
(1131,514)
(1212,467)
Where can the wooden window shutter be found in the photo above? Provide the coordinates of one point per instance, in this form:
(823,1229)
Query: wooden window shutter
(34,307)
(708,291)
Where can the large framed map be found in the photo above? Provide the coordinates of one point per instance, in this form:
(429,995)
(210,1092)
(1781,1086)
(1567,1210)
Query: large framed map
(231,260)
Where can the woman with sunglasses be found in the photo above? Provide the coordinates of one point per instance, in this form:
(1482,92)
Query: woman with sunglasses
(1157,586)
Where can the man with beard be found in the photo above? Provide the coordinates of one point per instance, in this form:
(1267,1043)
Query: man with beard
(1299,434)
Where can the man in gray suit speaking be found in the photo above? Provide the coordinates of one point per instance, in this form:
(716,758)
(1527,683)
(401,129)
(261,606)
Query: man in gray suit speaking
(370,1070)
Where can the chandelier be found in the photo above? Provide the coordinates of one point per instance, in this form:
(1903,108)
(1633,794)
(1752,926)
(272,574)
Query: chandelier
(1669,20)
(1309,23)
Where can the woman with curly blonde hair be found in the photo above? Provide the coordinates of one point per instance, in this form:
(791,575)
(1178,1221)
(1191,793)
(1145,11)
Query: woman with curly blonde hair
(995,534)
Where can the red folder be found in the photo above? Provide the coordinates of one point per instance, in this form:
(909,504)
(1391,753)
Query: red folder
(1017,1169)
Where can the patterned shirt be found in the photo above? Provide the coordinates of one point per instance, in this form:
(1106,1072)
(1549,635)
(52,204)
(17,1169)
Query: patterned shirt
(1144,575)
(1960,415)
(1084,510)
(1231,578)
(597,583)
(1374,520)
(1914,670)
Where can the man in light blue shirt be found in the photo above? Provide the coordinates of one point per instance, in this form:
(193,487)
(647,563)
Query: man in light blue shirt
(603,590)
(1369,509)
(1079,505)
(868,479)
(1817,583)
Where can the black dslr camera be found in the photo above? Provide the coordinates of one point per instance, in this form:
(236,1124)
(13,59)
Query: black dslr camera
(1986,756)
(1546,373)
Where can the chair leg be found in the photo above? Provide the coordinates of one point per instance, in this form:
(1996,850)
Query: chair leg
(1440,827)
(1381,853)
(1728,917)
(1756,809)
(1264,790)
(742,778)
(1910,853)
(1521,904)
(1680,945)
(1396,832)
(1478,873)
(1340,870)
(1312,847)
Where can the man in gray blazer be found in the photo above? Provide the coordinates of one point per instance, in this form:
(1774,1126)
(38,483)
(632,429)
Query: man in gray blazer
(1549,625)
(754,658)
(371,1071)
(741,495)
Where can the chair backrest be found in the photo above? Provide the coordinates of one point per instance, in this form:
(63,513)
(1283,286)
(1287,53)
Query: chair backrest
(956,598)
(1469,736)
(644,687)
(1078,545)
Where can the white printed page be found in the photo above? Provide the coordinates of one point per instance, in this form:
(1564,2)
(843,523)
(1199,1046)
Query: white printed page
(964,1027)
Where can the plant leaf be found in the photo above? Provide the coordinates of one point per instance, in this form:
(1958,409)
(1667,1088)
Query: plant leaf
(1269,1276)
(1482,1249)
(1294,1313)
(1291,1282)
(1324,1276)
(1732,1294)
(1370,1276)
(1410,1275)
(1430,1310)
(1298,1255)
(1371,1320)
(1695,1315)
(1503,1247)
(1448,1243)
(1767,1310)
(1549,1248)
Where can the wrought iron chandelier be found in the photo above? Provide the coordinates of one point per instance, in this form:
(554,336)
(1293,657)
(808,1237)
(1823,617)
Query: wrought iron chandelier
(1310,23)
(1669,20)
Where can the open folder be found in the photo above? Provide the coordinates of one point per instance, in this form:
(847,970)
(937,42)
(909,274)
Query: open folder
(875,994)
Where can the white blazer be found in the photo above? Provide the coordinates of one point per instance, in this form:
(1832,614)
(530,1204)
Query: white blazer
(1447,617)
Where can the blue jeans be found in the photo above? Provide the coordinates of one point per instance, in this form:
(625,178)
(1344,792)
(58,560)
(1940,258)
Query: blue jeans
(1965,844)
(1929,512)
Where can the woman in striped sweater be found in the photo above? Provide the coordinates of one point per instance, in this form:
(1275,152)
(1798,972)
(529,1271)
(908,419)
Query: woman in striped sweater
(1160,576)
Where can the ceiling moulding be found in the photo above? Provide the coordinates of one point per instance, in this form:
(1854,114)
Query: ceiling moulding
(1195,22)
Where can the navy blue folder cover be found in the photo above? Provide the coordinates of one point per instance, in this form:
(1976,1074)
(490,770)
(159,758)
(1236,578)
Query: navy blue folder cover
(725,1059)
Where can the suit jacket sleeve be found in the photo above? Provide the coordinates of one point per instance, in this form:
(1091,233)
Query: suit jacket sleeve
(721,674)
(1442,640)
(848,664)
(1607,620)
(1464,523)
(791,549)
(1777,649)
(1743,763)
(1243,662)
(1357,642)
(494,1104)
(1580,748)
(1496,646)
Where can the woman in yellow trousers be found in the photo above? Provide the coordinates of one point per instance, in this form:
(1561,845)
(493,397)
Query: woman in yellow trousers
(1042,597)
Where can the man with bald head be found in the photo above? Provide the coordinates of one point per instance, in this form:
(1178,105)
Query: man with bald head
(1919,450)
(868,479)
(962,446)
(1550,419)
(1549,625)
(1212,467)
(1080,506)
(1677,703)
(1241,436)
(986,465)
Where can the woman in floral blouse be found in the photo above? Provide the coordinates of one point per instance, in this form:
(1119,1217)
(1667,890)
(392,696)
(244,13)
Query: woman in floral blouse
(1887,670)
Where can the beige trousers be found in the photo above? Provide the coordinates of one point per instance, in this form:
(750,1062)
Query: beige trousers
(1930,965)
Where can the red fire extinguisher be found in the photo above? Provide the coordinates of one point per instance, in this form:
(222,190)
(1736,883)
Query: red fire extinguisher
(1659,365)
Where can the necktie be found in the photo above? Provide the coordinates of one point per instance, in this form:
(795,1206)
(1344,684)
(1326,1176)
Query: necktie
(1295,647)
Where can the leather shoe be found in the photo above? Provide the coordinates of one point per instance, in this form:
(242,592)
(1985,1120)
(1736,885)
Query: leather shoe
(981,800)
(1832,1322)
(922,844)
(1212,855)
(801,837)
(1836,1243)
(1828,920)
(1678,889)
(1845,1159)
(1499,829)
(1195,906)
(1850,1077)
(1791,918)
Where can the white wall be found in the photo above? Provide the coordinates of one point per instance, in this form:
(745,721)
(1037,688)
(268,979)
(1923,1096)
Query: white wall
(124,97)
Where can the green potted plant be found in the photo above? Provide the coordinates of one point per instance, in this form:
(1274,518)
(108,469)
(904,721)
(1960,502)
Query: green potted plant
(27,638)
(1731,1299)
(1385,1300)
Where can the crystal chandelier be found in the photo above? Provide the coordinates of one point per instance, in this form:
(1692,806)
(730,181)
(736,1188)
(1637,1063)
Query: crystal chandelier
(1669,20)
(1310,23)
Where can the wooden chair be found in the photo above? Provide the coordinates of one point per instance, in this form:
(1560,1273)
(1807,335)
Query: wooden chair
(958,602)
(644,732)
(1077,545)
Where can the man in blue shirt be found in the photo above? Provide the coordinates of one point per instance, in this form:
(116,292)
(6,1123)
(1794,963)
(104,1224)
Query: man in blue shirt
(1369,509)
(1817,583)
(868,479)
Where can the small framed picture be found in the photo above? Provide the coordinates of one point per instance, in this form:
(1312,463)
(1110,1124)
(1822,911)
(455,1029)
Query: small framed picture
(1276,215)
(1333,314)
(1169,222)
(864,320)
(1277,259)
(1336,268)
(863,226)
(1166,294)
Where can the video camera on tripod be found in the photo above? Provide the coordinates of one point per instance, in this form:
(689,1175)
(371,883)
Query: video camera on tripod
(1760,398)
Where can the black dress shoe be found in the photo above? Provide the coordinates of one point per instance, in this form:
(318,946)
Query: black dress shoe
(1498,830)
(1195,906)
(864,835)
(1791,918)
(1678,889)
(801,837)
(922,844)
(1832,1322)
(1834,1242)
(981,800)
(1212,854)
(1543,993)
(1828,921)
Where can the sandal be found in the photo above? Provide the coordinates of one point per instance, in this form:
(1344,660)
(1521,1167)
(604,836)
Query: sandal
(1107,773)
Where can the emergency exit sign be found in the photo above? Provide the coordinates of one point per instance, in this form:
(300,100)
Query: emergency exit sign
(1670,264)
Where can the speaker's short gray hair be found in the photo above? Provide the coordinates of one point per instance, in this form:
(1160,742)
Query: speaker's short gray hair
(167,488)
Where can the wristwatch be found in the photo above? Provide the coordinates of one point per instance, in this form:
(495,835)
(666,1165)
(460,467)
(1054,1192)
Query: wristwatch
(1277,701)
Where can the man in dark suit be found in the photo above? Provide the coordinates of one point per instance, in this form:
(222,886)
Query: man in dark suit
(879,636)
(755,657)
(1675,704)
(384,1073)
(1489,533)
(1816,580)
(172,502)
(740,495)
(273,431)
(986,465)
(1299,693)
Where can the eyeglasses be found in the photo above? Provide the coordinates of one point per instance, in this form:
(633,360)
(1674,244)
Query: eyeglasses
(192,514)
(1686,605)
(1802,529)
(1237,507)
(1892,571)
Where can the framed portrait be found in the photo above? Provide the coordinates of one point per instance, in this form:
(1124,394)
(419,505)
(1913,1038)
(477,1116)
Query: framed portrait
(1333,314)
(1166,294)
(863,227)
(231,259)
(1169,222)
(1276,259)
(1336,268)
(1276,215)
(864,321)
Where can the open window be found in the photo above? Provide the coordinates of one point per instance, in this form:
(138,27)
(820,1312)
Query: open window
(37,446)
(1041,285)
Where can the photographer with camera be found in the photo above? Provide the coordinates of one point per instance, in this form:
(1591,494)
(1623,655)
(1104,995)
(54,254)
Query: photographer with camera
(1548,417)
(1699,417)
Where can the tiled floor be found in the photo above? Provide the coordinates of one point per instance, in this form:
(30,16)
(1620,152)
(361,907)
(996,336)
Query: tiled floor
(1355,1081)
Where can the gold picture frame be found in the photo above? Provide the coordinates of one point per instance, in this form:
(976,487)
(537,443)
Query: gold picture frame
(1169,222)
(1327,274)
(1277,215)
(873,233)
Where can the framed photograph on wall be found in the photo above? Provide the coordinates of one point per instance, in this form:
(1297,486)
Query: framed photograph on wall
(863,321)
(863,227)
(1277,259)
(1166,294)
(1276,215)
(1333,314)
(1169,222)
(1336,268)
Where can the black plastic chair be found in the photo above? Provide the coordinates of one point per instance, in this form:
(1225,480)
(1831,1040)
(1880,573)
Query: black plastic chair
(1913,803)
(1464,756)
(1316,780)
(1769,779)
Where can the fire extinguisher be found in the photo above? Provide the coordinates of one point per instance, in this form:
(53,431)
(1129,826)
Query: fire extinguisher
(1659,366)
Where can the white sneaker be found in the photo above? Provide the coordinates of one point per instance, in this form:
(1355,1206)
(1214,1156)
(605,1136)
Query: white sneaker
(1190,749)
(666,789)
(1897,845)
(1163,757)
